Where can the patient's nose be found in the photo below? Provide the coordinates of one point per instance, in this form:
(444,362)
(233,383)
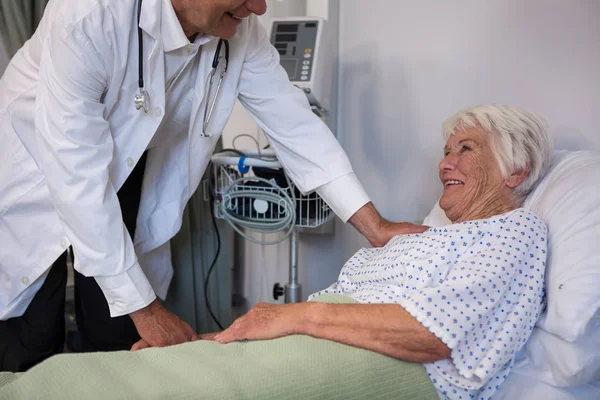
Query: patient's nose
(448,163)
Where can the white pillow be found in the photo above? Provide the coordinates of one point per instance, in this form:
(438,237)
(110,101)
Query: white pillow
(568,201)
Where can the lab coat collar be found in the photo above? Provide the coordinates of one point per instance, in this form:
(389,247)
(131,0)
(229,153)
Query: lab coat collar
(150,17)
(173,36)
(172,33)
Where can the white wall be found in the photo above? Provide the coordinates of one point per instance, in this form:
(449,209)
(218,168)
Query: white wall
(405,66)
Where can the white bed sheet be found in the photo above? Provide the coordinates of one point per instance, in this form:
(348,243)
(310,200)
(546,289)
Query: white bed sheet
(521,386)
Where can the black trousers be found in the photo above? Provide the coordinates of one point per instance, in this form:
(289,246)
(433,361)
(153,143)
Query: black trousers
(40,332)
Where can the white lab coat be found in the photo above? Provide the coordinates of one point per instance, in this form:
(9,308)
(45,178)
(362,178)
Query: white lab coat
(60,171)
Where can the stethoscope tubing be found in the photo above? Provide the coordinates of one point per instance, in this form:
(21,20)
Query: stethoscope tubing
(141,100)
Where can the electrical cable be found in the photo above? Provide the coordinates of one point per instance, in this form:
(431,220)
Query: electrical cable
(260,156)
(278,197)
(214,262)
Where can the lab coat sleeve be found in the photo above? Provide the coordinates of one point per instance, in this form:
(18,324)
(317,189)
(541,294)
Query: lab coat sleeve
(345,195)
(75,149)
(304,145)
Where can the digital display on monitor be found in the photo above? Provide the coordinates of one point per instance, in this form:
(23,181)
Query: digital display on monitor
(291,67)
(286,37)
(287,28)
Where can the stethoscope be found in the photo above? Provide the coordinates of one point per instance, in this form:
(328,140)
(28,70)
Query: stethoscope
(142,100)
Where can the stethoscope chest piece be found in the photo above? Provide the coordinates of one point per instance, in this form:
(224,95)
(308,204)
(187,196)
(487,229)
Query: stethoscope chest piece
(141,100)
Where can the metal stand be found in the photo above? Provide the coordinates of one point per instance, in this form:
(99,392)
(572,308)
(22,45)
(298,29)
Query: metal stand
(293,290)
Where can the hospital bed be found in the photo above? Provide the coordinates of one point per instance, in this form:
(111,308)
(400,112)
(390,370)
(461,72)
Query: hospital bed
(561,361)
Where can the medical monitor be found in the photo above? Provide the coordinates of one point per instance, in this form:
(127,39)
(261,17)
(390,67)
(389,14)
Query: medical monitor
(302,46)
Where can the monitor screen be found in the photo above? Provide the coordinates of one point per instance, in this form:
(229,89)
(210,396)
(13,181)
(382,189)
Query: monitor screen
(287,28)
(291,67)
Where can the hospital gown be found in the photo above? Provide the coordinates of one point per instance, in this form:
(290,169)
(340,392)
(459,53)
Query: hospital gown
(477,285)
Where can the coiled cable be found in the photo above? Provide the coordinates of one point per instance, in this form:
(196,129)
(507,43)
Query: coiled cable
(276,196)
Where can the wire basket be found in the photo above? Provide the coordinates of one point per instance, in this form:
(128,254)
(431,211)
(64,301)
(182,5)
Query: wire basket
(311,210)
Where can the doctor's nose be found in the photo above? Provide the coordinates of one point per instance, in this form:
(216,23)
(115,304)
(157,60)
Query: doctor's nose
(258,7)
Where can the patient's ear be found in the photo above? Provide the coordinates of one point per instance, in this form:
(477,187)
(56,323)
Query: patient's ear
(517,177)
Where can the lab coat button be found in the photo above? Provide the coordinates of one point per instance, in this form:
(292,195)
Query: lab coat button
(64,244)
(130,162)
(158,111)
(25,280)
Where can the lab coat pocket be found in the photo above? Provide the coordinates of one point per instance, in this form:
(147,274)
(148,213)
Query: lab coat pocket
(18,171)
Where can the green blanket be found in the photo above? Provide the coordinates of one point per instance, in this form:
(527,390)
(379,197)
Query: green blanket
(294,367)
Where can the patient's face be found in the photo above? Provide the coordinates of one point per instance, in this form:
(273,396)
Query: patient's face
(473,184)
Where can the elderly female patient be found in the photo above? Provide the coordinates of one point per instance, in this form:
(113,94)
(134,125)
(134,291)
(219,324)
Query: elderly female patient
(461,299)
(464,298)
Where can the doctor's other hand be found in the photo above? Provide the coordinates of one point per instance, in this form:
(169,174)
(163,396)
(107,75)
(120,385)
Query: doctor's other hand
(265,321)
(391,229)
(379,230)
(159,327)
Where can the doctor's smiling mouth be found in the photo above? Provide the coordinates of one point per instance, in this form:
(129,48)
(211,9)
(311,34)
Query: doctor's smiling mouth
(218,18)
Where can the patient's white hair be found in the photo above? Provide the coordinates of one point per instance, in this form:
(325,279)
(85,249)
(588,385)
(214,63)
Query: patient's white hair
(518,137)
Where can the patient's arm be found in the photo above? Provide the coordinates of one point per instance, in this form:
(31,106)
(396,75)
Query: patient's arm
(384,328)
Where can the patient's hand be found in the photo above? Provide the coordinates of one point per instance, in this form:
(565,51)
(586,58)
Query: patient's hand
(265,321)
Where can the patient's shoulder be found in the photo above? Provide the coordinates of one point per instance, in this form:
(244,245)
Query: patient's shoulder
(522,217)
(522,223)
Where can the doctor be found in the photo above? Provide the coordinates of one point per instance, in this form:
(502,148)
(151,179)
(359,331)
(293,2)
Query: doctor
(85,165)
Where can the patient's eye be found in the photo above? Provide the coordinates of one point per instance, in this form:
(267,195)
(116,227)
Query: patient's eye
(465,148)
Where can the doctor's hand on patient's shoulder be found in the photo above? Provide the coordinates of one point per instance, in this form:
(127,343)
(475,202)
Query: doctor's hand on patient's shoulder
(266,321)
(379,230)
(159,327)
(392,229)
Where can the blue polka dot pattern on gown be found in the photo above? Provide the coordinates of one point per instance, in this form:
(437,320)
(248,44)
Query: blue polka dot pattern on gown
(477,285)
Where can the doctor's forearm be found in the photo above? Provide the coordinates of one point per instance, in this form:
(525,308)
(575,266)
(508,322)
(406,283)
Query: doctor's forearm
(384,328)
(369,222)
